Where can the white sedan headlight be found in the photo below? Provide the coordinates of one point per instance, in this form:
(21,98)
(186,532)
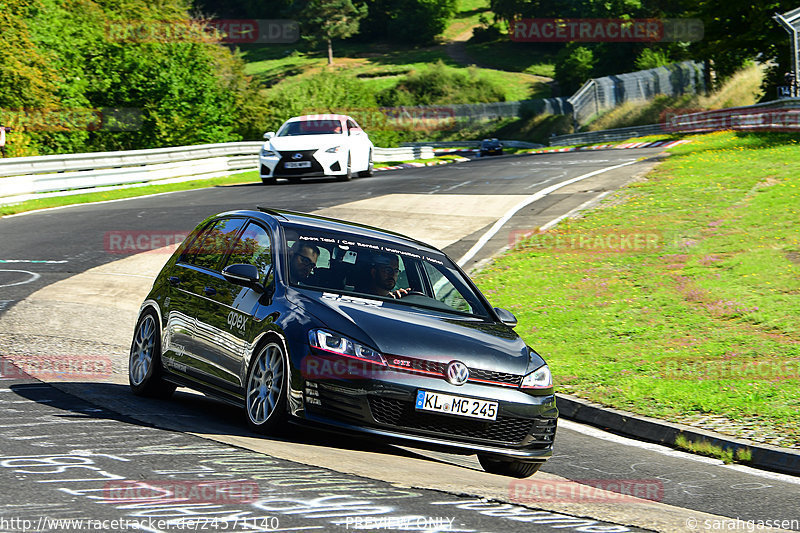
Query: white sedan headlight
(266,152)
(333,150)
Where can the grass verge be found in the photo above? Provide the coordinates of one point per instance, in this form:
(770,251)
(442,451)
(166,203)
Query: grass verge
(678,298)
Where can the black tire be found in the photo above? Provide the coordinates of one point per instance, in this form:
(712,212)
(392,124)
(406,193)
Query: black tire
(508,468)
(268,181)
(144,361)
(348,175)
(370,168)
(265,390)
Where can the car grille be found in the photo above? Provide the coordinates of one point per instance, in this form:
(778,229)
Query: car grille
(422,365)
(507,430)
(308,155)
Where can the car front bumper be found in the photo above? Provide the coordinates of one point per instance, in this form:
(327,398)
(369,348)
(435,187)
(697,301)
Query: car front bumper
(524,429)
(321,164)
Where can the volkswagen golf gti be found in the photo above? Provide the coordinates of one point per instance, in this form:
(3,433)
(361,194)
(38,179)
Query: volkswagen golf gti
(301,319)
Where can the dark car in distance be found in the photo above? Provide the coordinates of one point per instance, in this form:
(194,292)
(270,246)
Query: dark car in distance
(491,147)
(304,319)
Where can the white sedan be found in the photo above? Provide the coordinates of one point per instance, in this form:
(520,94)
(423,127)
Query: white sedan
(316,145)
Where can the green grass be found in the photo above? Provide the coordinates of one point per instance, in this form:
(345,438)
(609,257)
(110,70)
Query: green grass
(707,321)
(467,17)
(703,447)
(515,57)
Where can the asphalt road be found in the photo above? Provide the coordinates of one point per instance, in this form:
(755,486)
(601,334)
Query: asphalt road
(39,249)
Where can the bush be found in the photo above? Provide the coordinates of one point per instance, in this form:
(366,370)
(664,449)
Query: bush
(652,58)
(439,85)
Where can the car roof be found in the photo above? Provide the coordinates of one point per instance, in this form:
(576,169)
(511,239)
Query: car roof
(295,218)
(330,116)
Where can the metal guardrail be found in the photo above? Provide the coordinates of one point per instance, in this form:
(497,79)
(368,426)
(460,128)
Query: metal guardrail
(474,144)
(618,134)
(777,115)
(25,178)
(421,151)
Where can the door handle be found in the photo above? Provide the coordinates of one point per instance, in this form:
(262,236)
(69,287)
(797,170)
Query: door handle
(174,281)
(211,291)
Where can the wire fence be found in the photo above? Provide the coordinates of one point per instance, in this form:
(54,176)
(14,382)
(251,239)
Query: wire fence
(596,95)
(600,94)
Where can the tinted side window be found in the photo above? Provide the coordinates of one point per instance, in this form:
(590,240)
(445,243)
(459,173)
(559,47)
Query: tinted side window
(253,248)
(211,245)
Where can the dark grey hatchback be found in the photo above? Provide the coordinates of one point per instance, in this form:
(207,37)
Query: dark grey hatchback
(304,319)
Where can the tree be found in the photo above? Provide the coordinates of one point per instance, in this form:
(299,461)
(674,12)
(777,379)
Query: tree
(325,20)
(574,67)
(407,21)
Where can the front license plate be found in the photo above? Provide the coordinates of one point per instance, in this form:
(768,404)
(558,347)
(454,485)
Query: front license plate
(297,164)
(456,405)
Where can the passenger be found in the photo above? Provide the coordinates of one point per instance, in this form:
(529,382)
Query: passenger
(302,260)
(383,274)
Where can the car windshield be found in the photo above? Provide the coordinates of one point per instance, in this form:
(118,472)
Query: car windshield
(339,263)
(310,127)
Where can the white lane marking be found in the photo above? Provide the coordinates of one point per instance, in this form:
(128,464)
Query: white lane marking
(34,277)
(532,185)
(664,450)
(457,185)
(38,261)
(524,203)
(568,214)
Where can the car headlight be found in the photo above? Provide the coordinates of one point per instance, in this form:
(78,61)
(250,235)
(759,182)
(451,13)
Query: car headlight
(267,153)
(333,150)
(334,343)
(541,378)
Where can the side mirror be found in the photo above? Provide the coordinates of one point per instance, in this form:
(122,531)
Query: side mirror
(506,317)
(269,135)
(244,275)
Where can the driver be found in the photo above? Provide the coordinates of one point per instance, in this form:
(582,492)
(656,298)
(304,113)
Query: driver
(383,274)
(302,260)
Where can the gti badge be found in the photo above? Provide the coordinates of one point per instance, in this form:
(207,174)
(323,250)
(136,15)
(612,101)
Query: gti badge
(457,373)
(298,155)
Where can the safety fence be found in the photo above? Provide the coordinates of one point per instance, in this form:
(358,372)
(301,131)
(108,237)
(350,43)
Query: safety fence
(601,94)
